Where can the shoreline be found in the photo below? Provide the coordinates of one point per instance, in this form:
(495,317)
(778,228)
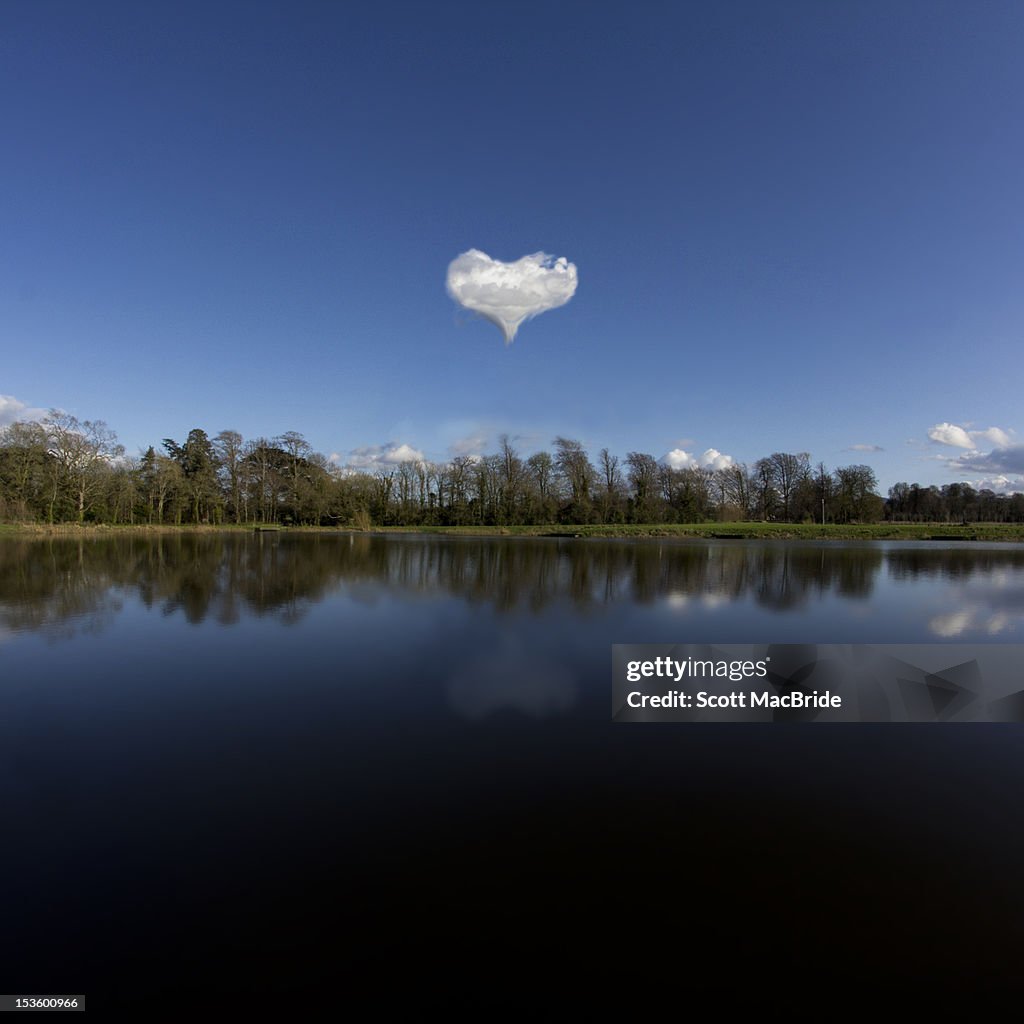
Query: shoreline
(1006,532)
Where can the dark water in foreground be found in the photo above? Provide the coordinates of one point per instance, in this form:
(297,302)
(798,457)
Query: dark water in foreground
(253,767)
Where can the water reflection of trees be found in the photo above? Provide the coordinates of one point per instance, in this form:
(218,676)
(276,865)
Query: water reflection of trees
(58,589)
(45,583)
(958,563)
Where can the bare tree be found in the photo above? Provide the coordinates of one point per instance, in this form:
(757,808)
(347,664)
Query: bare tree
(823,489)
(298,451)
(788,473)
(80,449)
(460,472)
(643,479)
(168,483)
(856,497)
(611,485)
(765,493)
(228,445)
(573,464)
(739,487)
(541,469)
(511,474)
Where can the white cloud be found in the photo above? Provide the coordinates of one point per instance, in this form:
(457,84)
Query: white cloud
(994,436)
(405,453)
(711,459)
(381,456)
(509,293)
(12,410)
(1000,484)
(959,437)
(678,459)
(1004,468)
(473,445)
(951,434)
(1001,460)
(864,448)
(714,459)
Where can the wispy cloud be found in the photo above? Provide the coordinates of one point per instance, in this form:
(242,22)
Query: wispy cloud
(864,448)
(1000,470)
(383,456)
(999,460)
(13,410)
(474,444)
(994,436)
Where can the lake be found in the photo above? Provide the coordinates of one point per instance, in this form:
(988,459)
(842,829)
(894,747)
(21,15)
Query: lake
(268,763)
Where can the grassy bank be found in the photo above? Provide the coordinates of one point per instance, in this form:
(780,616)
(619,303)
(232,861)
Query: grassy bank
(105,530)
(745,531)
(711,531)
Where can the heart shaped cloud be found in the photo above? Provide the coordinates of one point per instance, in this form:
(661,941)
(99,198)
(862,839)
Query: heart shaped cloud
(509,293)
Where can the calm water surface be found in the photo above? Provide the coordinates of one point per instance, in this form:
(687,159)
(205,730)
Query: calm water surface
(269,762)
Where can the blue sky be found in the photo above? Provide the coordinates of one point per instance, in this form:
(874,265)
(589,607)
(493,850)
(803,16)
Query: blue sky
(797,226)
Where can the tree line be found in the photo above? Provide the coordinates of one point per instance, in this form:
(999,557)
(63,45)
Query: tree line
(62,469)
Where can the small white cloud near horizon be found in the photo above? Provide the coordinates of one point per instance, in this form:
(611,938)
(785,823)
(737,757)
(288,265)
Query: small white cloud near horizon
(1000,484)
(1004,465)
(13,410)
(955,436)
(711,459)
(473,445)
(376,456)
(508,294)
(864,448)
